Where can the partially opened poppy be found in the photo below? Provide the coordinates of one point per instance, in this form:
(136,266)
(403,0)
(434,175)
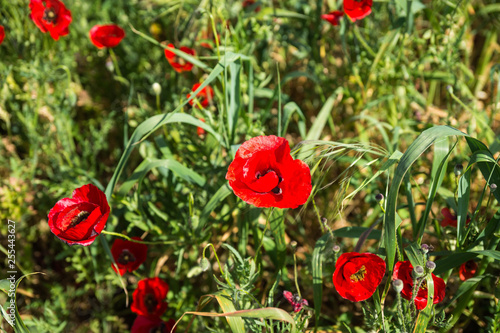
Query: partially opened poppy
(264,174)
(333,17)
(205,96)
(296,301)
(149,298)
(80,219)
(200,131)
(357,9)
(450,219)
(128,255)
(106,35)
(403,271)
(2,34)
(357,276)
(249,3)
(467,270)
(178,63)
(147,325)
(51,16)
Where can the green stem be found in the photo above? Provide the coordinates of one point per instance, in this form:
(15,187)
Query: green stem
(363,41)
(218,262)
(110,233)
(115,62)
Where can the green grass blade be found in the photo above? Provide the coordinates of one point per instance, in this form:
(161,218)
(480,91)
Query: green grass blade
(277,223)
(439,164)
(417,148)
(149,164)
(216,199)
(235,98)
(289,109)
(317,272)
(320,122)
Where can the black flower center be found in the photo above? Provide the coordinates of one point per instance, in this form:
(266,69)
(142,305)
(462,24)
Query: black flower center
(49,15)
(150,302)
(78,218)
(158,329)
(126,257)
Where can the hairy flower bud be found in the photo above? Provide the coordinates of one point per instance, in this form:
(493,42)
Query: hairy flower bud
(205,264)
(336,248)
(430,265)
(459,168)
(493,187)
(156,88)
(397,285)
(379,197)
(417,272)
(424,248)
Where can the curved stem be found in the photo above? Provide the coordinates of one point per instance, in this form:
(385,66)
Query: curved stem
(218,262)
(110,233)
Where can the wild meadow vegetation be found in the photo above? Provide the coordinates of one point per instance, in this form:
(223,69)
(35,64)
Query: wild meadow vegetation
(250,166)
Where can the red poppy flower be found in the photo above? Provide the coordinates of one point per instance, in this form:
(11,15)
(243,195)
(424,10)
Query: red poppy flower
(200,131)
(357,276)
(51,16)
(264,174)
(128,255)
(204,96)
(357,9)
(467,270)
(295,300)
(144,324)
(333,17)
(106,35)
(2,34)
(149,298)
(179,64)
(248,3)
(403,271)
(450,219)
(80,219)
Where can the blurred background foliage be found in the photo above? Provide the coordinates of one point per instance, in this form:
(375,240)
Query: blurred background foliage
(66,115)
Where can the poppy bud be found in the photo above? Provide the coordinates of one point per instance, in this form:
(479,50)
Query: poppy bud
(459,168)
(156,88)
(293,244)
(430,265)
(424,248)
(493,187)
(336,248)
(109,65)
(205,264)
(449,88)
(417,272)
(379,197)
(397,285)
(324,221)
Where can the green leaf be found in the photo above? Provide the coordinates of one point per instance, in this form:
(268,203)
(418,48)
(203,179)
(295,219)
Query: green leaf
(149,164)
(439,164)
(452,261)
(216,199)
(323,115)
(417,148)
(235,98)
(356,232)
(290,108)
(426,314)
(18,325)
(277,224)
(317,272)
(150,125)
(489,253)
